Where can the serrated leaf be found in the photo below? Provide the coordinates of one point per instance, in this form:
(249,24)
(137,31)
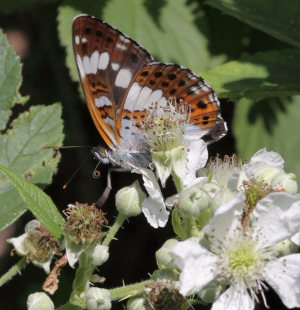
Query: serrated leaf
(10,80)
(272,124)
(21,150)
(262,75)
(39,203)
(278,18)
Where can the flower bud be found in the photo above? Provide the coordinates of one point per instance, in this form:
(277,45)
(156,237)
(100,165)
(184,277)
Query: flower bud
(164,259)
(98,299)
(129,200)
(99,255)
(221,198)
(39,301)
(192,201)
(286,181)
(136,304)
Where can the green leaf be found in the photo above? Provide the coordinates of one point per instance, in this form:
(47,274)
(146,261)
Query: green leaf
(39,203)
(69,306)
(262,75)
(278,18)
(10,80)
(21,151)
(271,123)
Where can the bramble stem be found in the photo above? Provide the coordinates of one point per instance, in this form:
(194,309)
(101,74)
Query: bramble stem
(14,270)
(114,229)
(127,291)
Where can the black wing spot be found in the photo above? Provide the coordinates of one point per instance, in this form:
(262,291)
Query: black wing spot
(201,105)
(165,84)
(205,118)
(158,74)
(145,73)
(93,84)
(205,123)
(152,82)
(99,33)
(134,57)
(172,76)
(109,39)
(88,30)
(181,83)
(126,117)
(173,91)
(127,127)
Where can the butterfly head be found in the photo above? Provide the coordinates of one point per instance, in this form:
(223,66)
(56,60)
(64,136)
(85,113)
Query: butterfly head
(101,154)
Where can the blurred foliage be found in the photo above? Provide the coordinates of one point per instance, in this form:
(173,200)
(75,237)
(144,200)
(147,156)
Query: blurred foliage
(248,50)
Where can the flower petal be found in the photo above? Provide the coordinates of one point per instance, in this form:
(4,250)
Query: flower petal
(296,239)
(263,157)
(227,219)
(234,298)
(152,185)
(277,217)
(198,266)
(19,244)
(155,212)
(283,275)
(196,158)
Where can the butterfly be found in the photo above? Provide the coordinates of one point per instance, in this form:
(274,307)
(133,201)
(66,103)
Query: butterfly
(121,81)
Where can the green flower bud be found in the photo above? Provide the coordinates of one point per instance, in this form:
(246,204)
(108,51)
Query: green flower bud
(286,181)
(99,255)
(136,304)
(192,201)
(39,301)
(98,299)
(163,256)
(221,198)
(286,247)
(129,200)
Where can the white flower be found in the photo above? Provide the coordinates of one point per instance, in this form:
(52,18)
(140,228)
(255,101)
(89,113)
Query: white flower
(245,259)
(39,301)
(29,244)
(268,166)
(176,145)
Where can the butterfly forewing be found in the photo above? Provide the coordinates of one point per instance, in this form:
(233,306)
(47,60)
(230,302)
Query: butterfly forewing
(107,61)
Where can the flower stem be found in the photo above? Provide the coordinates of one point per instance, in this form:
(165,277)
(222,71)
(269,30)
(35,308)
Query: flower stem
(82,278)
(127,291)
(14,270)
(114,229)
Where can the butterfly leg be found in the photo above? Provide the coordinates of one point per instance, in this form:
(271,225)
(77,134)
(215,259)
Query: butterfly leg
(104,196)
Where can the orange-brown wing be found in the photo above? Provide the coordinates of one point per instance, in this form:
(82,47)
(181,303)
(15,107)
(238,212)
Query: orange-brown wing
(158,82)
(107,62)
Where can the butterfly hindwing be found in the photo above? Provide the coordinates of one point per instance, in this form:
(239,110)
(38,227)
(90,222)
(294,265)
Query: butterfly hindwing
(158,82)
(107,61)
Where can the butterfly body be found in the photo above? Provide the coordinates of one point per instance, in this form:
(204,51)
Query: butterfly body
(122,82)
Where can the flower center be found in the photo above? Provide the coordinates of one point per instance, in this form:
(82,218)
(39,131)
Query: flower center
(244,259)
(165,125)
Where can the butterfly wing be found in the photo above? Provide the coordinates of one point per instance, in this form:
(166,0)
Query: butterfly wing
(157,82)
(107,62)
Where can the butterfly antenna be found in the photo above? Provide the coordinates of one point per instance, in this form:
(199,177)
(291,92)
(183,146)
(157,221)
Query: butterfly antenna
(67,147)
(75,172)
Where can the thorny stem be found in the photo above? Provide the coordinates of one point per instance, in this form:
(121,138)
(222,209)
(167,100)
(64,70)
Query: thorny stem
(114,229)
(14,270)
(127,291)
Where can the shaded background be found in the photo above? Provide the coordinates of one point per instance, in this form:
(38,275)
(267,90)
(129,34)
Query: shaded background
(32,29)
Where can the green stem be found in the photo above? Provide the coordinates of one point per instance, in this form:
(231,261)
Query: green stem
(82,278)
(127,291)
(114,229)
(14,270)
